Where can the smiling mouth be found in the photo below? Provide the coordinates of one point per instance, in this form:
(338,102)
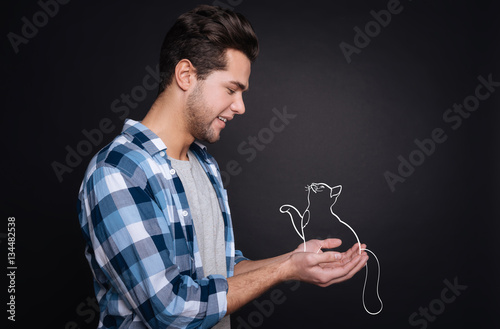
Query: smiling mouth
(222,119)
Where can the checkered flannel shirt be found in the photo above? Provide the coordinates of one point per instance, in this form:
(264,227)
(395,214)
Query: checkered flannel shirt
(140,238)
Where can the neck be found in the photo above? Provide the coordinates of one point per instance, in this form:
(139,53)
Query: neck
(166,120)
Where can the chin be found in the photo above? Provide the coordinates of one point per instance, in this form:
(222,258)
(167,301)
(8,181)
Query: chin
(210,139)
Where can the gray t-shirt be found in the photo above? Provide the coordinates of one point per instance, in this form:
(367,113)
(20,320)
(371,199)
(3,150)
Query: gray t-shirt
(207,218)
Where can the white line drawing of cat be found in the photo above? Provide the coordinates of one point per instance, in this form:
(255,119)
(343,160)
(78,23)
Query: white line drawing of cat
(305,218)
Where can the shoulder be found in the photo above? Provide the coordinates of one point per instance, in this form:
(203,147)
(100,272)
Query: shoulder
(123,156)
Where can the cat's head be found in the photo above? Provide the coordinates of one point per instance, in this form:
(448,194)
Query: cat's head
(320,187)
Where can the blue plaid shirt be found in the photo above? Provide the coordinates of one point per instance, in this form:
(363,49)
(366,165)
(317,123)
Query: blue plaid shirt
(140,238)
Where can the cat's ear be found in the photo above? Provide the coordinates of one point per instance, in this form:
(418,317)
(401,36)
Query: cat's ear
(335,191)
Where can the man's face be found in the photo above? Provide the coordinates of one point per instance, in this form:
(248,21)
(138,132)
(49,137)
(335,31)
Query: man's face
(214,101)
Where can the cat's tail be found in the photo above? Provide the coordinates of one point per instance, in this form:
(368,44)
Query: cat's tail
(378,282)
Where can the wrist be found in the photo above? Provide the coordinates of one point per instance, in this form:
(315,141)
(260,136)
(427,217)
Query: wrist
(286,268)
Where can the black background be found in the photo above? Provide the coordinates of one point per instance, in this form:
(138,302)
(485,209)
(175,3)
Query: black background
(352,122)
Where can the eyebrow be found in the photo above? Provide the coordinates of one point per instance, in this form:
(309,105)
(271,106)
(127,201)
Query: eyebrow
(240,85)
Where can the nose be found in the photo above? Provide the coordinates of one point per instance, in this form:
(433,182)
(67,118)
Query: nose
(238,105)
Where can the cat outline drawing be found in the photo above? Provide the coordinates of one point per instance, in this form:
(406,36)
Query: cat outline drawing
(305,217)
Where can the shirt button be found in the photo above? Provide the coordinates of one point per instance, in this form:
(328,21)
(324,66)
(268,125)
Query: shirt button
(184,213)
(162,153)
(172,171)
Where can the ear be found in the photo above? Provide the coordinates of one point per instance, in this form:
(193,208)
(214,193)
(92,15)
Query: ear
(185,74)
(335,191)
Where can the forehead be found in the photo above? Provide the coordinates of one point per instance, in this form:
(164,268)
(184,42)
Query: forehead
(238,68)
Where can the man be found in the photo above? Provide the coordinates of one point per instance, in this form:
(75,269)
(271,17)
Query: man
(152,207)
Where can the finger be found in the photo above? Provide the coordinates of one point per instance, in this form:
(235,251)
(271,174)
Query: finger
(331,243)
(331,265)
(341,273)
(355,249)
(362,262)
(348,265)
(349,269)
(357,246)
(313,242)
(350,253)
(337,259)
(327,257)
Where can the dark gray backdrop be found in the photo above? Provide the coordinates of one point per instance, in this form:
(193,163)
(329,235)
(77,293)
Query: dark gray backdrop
(351,121)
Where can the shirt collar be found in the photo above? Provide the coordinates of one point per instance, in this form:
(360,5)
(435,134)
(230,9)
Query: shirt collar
(200,149)
(143,137)
(149,141)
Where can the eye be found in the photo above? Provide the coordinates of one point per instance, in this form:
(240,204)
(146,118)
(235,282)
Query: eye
(230,91)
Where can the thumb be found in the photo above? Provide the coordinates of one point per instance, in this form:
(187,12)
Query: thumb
(330,243)
(327,257)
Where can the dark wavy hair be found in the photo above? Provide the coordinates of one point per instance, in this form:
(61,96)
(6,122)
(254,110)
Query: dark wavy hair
(202,36)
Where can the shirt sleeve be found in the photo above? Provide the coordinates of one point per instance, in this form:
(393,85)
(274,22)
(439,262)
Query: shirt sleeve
(133,244)
(238,257)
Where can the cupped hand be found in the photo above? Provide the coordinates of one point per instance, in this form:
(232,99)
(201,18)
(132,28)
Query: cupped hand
(325,268)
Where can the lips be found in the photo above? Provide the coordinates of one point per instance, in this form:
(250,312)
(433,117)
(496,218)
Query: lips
(222,119)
